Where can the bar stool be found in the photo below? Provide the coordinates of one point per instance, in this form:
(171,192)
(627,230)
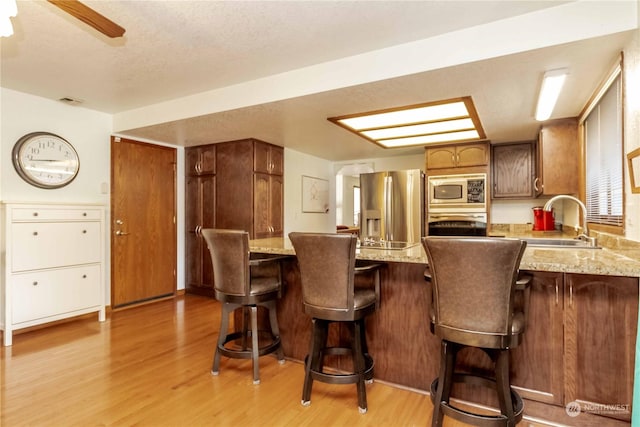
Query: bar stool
(330,296)
(244,283)
(475,281)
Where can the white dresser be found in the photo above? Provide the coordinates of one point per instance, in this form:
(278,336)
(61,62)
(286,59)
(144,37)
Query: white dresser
(53,263)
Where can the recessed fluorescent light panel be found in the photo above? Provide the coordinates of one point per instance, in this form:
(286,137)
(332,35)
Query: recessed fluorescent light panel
(549,92)
(453,120)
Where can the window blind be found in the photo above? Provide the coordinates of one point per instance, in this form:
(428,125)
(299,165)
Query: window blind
(604,158)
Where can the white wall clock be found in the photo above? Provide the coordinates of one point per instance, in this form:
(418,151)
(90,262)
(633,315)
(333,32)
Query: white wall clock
(45,160)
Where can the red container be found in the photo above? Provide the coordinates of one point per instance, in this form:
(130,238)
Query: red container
(543,220)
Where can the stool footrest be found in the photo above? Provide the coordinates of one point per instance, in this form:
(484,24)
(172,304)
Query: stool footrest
(478,419)
(247,353)
(342,378)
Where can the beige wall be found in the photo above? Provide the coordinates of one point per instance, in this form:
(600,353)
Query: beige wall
(632,129)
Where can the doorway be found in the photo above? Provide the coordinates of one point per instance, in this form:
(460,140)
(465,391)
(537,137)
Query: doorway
(143,226)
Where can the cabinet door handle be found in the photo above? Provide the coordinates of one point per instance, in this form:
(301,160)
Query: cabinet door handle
(35,214)
(35,283)
(84,276)
(557,296)
(571,295)
(535,183)
(35,233)
(457,158)
(84,231)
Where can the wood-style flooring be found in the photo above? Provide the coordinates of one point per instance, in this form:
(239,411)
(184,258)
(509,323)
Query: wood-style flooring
(149,366)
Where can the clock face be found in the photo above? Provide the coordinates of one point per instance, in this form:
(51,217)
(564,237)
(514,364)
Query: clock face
(45,160)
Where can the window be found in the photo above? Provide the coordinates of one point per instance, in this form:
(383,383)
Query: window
(603,123)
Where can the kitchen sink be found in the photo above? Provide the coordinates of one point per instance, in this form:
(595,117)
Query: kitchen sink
(558,243)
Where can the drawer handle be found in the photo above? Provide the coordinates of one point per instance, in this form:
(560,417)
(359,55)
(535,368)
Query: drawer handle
(84,231)
(35,283)
(84,276)
(35,214)
(35,233)
(84,214)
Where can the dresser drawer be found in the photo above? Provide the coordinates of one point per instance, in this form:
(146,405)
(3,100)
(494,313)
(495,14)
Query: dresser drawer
(45,245)
(53,292)
(55,214)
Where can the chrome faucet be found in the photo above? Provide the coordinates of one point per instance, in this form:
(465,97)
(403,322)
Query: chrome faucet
(585,231)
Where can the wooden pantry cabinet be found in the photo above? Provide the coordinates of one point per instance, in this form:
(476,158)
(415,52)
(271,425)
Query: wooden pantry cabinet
(200,212)
(249,187)
(53,264)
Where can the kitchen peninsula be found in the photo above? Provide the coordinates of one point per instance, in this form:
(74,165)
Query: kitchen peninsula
(579,346)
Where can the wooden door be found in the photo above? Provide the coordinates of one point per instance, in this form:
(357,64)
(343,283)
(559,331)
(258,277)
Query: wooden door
(143,229)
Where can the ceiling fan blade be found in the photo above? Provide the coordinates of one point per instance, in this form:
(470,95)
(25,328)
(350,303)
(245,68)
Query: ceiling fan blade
(90,17)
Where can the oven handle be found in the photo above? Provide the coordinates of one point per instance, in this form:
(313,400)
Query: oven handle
(463,217)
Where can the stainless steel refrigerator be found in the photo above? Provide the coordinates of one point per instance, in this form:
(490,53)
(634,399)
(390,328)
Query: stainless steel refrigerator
(392,209)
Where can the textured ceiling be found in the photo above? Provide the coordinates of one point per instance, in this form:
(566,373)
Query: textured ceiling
(173,49)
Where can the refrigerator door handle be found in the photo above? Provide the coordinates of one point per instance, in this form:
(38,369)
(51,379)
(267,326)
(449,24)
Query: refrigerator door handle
(388,208)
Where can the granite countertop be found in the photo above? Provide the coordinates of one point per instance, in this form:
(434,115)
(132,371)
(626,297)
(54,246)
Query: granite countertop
(605,261)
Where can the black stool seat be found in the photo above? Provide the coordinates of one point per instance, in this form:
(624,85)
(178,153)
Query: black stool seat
(330,296)
(479,300)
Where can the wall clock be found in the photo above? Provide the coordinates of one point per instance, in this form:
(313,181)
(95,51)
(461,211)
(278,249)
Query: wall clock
(45,160)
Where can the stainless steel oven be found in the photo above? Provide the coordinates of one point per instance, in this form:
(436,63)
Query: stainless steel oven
(457,224)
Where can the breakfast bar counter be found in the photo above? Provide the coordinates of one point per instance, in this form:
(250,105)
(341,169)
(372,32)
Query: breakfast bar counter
(579,345)
(608,262)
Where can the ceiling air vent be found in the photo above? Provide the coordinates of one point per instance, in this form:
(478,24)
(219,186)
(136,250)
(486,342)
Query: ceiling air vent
(71,101)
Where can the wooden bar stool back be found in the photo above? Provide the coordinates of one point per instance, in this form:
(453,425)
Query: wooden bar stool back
(241,282)
(328,268)
(474,285)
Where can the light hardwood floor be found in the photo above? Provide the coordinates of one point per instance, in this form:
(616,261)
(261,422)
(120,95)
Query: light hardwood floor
(149,366)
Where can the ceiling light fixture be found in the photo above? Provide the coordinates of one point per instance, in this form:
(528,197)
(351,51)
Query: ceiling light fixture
(452,120)
(8,9)
(552,83)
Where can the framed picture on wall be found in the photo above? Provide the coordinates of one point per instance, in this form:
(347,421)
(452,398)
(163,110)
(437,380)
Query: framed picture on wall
(315,194)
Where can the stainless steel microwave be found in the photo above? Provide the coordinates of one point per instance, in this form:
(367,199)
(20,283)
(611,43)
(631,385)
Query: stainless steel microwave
(461,193)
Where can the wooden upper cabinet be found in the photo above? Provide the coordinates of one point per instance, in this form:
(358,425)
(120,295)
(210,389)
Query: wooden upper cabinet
(557,158)
(513,170)
(457,156)
(268,158)
(200,160)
